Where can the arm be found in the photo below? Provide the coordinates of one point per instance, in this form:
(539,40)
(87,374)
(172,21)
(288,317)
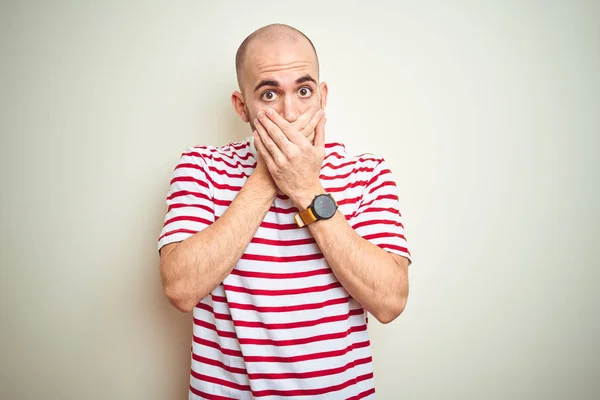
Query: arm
(374,277)
(377,279)
(191,269)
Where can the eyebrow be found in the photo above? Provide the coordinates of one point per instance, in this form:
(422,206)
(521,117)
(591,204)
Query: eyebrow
(305,78)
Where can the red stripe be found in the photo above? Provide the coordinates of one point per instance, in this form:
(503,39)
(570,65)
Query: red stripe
(384,184)
(208,396)
(334,144)
(291,210)
(188,219)
(295,342)
(227,203)
(282,292)
(375,177)
(226,150)
(354,171)
(188,193)
(284,259)
(221,172)
(240,146)
(348,186)
(381,209)
(281,275)
(378,198)
(280,210)
(189,179)
(308,357)
(218,381)
(394,247)
(333,154)
(299,307)
(287,325)
(169,233)
(243,175)
(351,200)
(376,222)
(279,227)
(210,309)
(279,359)
(208,343)
(209,178)
(332,166)
(313,392)
(182,205)
(230,165)
(213,327)
(219,364)
(312,374)
(275,242)
(383,235)
(362,395)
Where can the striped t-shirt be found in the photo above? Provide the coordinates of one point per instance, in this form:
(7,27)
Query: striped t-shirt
(281,325)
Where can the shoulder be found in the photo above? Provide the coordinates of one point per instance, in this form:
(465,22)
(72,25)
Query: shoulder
(210,154)
(336,155)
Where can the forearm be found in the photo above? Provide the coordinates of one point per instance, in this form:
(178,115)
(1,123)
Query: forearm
(198,264)
(368,273)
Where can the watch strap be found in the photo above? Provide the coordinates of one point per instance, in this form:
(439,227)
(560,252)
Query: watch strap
(305,217)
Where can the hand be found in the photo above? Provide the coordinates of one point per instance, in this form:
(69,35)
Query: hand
(294,162)
(301,123)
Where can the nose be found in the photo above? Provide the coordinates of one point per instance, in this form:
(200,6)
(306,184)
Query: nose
(290,109)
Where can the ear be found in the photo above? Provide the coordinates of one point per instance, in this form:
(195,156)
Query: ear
(239,105)
(324,90)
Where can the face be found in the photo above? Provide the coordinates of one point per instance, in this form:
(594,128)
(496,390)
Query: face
(281,76)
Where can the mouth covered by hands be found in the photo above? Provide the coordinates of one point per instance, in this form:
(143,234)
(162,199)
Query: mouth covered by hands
(294,163)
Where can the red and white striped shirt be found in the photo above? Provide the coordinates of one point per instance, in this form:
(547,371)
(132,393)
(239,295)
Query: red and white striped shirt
(281,325)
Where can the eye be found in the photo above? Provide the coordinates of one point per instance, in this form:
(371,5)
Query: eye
(269,95)
(305,91)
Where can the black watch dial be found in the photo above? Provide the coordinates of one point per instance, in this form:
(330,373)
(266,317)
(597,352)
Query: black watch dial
(324,206)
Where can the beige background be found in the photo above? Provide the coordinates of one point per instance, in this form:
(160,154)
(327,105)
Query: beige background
(487,112)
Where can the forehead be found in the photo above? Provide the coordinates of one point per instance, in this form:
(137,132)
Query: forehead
(287,60)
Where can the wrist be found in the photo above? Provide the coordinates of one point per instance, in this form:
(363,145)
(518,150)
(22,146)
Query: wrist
(304,199)
(264,183)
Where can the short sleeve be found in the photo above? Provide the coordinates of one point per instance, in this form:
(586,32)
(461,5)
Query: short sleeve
(190,205)
(378,218)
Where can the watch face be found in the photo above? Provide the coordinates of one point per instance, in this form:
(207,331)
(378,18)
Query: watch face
(324,206)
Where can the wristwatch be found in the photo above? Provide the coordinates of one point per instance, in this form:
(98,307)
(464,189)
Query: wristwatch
(323,206)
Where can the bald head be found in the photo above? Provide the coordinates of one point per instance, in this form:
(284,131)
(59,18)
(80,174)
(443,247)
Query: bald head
(270,35)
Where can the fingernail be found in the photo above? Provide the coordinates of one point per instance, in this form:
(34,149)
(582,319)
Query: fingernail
(255,121)
(269,112)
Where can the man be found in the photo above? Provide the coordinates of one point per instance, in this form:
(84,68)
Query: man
(281,244)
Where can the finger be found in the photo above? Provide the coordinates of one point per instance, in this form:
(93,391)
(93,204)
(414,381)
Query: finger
(305,118)
(262,151)
(313,123)
(320,133)
(267,142)
(275,132)
(290,131)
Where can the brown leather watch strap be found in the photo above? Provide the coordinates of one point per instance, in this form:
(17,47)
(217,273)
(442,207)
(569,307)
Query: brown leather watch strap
(304,218)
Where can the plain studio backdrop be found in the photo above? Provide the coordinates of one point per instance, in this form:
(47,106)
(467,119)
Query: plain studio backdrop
(487,112)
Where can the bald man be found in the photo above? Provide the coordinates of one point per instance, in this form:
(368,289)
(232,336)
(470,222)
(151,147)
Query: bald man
(282,244)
